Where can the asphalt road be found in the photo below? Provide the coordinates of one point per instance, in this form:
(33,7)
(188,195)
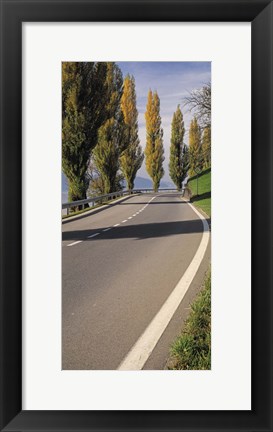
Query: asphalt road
(119,266)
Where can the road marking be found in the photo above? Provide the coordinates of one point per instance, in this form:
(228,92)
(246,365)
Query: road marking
(116,225)
(72,244)
(93,235)
(142,349)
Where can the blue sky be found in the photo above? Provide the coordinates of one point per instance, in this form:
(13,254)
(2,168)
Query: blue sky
(172,81)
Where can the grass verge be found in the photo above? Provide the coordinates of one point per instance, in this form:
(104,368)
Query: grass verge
(192,349)
(203,199)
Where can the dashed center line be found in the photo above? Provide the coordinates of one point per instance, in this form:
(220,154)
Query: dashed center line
(116,225)
(93,235)
(72,244)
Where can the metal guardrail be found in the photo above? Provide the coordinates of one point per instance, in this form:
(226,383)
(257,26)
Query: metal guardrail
(99,199)
(102,198)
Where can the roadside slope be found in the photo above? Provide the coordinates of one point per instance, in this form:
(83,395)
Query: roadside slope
(203,199)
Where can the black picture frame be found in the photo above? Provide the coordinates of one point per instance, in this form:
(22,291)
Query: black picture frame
(13,14)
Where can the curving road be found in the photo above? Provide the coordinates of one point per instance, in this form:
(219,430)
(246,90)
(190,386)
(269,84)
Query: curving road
(120,264)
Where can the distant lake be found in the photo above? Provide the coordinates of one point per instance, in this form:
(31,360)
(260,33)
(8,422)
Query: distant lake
(140,183)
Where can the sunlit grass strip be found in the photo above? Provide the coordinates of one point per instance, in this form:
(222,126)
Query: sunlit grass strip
(204,204)
(203,199)
(192,349)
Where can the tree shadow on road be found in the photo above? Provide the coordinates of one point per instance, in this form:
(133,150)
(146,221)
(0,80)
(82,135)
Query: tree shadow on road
(154,202)
(138,232)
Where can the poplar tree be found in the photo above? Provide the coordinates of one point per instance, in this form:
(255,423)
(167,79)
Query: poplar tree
(195,148)
(82,115)
(154,151)
(132,157)
(179,163)
(206,147)
(106,154)
(110,142)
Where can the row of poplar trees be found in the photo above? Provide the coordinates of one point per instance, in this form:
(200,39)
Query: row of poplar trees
(100,144)
(188,160)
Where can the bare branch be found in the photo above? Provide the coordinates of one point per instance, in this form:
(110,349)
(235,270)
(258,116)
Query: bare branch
(199,102)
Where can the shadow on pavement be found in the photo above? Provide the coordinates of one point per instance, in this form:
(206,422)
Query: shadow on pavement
(138,232)
(155,202)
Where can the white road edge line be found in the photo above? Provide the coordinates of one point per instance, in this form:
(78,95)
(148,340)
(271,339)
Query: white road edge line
(72,244)
(142,349)
(93,235)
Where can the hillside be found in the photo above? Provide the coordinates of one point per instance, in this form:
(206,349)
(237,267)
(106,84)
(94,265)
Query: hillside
(203,200)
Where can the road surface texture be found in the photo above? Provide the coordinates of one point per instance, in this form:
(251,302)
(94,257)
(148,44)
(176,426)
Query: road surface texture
(119,265)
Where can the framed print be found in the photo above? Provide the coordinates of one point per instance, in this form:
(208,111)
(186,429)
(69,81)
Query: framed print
(90,321)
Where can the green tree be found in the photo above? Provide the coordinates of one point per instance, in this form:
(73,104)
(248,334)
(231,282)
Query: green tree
(206,147)
(83,113)
(154,151)
(110,142)
(195,148)
(132,157)
(179,161)
(106,155)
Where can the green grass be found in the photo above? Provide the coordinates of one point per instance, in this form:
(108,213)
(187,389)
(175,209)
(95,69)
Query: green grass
(192,349)
(78,212)
(203,200)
